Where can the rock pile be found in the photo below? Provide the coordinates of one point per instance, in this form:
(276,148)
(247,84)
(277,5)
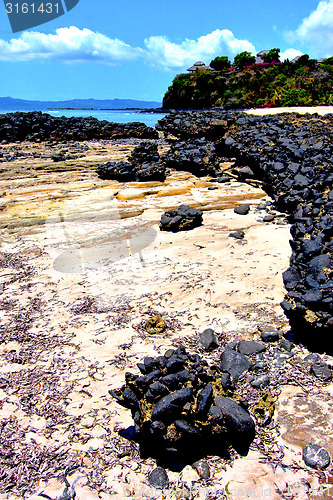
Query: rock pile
(197,156)
(179,403)
(292,155)
(144,165)
(211,124)
(38,126)
(182,219)
(185,408)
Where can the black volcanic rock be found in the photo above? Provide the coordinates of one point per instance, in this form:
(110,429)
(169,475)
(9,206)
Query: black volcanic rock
(201,413)
(40,126)
(182,219)
(292,155)
(143,165)
(316,456)
(197,156)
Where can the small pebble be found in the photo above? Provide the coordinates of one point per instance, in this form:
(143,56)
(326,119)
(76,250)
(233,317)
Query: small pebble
(202,468)
(321,371)
(261,381)
(316,457)
(270,336)
(158,478)
(242,209)
(239,235)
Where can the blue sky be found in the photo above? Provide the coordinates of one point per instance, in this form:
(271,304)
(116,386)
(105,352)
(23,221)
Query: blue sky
(133,48)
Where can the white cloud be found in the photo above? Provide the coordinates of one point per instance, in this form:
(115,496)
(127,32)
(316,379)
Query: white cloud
(162,52)
(83,45)
(290,54)
(316,30)
(67,45)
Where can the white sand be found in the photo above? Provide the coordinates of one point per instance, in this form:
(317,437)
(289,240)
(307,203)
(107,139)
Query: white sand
(321,110)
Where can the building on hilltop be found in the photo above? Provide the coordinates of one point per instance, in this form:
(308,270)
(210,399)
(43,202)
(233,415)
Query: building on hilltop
(259,59)
(198,65)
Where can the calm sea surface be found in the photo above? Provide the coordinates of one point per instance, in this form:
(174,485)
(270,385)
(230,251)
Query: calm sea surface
(118,116)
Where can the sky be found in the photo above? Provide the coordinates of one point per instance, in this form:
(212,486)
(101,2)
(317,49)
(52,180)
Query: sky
(132,49)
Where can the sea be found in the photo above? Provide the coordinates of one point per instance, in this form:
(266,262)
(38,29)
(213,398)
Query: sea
(149,118)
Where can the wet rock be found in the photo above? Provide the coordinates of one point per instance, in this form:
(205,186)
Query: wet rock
(242,209)
(158,478)
(208,340)
(182,219)
(316,457)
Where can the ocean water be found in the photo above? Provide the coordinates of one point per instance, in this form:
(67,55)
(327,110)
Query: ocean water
(114,115)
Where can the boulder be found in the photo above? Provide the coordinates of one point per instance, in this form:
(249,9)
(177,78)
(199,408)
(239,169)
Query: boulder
(242,209)
(182,219)
(208,340)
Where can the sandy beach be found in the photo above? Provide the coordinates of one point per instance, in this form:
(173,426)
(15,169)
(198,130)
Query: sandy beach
(321,110)
(83,267)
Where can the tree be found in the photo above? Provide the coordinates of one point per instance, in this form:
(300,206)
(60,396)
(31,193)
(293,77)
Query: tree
(244,59)
(328,60)
(220,63)
(272,56)
(305,61)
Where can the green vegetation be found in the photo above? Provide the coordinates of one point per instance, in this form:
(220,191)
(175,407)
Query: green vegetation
(220,63)
(305,82)
(244,59)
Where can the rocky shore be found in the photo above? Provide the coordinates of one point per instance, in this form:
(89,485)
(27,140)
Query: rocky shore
(292,156)
(38,126)
(126,347)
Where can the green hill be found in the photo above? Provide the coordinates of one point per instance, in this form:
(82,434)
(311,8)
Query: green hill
(302,82)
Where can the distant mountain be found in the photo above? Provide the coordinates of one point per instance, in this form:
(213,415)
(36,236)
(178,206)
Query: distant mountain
(8,103)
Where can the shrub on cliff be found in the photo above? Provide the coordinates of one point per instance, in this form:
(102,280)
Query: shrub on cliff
(220,63)
(244,59)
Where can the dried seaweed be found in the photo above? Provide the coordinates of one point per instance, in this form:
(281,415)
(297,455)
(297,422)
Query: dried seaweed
(23,464)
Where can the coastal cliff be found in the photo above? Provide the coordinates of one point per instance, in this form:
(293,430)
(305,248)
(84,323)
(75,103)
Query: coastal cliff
(305,82)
